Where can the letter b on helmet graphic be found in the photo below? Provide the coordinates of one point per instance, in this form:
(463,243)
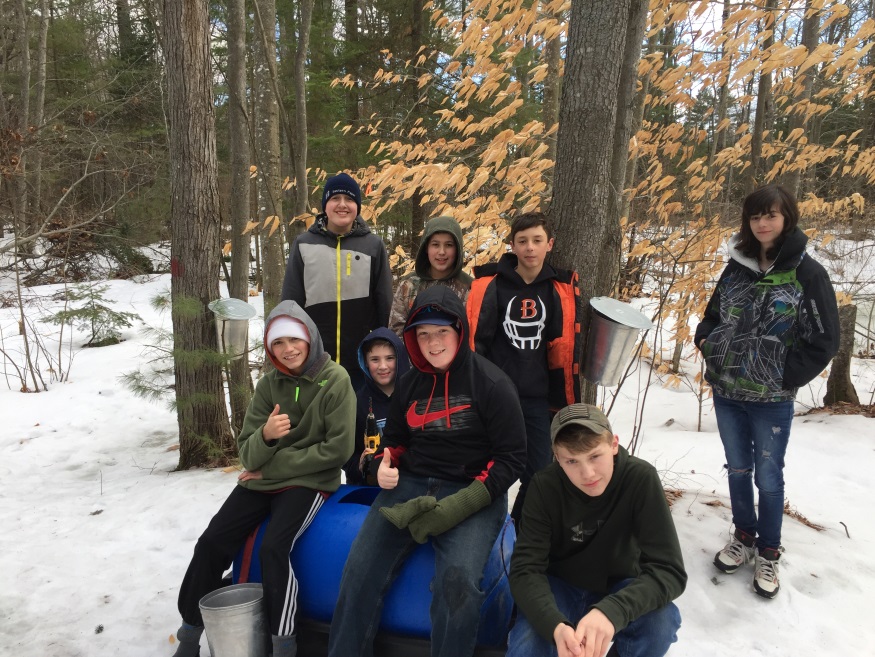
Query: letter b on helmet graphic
(525,331)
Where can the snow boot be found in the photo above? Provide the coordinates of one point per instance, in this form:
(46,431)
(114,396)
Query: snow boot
(284,646)
(189,641)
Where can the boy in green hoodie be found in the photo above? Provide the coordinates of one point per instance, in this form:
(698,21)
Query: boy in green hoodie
(439,261)
(297,433)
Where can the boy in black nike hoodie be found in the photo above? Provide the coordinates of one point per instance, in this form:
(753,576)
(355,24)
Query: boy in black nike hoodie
(454,442)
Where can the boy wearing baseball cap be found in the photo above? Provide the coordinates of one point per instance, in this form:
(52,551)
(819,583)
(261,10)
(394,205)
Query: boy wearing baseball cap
(338,271)
(597,558)
(297,433)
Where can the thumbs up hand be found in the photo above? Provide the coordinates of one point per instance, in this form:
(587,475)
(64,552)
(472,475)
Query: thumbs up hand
(277,425)
(387,474)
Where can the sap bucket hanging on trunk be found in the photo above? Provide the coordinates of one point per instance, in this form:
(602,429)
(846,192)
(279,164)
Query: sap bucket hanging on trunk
(613,331)
(232,325)
(235,622)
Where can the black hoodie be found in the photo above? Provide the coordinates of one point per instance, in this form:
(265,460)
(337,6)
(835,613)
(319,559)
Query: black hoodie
(461,424)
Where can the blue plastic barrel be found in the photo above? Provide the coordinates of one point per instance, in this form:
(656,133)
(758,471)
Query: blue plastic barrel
(320,555)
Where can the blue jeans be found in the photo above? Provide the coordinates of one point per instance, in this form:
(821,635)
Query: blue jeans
(647,636)
(539,447)
(379,551)
(755,437)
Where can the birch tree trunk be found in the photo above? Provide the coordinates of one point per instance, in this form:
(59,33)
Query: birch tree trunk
(204,434)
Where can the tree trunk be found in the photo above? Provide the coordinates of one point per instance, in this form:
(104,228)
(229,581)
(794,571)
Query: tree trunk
(239,381)
(19,200)
(587,233)
(351,66)
(810,28)
(302,197)
(626,124)
(838,386)
(761,121)
(267,149)
(204,434)
(552,54)
(39,103)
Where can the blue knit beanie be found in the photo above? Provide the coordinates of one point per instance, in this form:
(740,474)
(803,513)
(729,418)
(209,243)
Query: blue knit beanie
(342,184)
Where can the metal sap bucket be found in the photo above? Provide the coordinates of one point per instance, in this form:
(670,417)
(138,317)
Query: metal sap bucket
(613,333)
(235,621)
(232,325)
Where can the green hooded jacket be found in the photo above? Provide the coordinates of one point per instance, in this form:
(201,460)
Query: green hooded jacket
(320,403)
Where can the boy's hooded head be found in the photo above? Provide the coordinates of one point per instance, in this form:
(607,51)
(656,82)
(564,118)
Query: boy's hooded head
(434,263)
(584,446)
(291,339)
(436,330)
(379,351)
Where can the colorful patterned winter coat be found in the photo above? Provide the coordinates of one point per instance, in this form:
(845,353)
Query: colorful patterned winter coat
(769,333)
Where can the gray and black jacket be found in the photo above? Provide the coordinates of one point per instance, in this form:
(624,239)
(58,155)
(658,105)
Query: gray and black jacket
(769,333)
(343,282)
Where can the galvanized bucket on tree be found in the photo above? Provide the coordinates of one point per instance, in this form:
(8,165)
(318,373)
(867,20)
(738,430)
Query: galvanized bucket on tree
(232,325)
(613,331)
(235,622)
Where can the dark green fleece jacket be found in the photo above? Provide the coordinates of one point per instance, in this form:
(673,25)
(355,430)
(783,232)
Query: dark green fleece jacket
(320,403)
(595,542)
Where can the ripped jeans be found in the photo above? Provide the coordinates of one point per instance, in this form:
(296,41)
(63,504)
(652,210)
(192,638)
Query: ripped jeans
(755,437)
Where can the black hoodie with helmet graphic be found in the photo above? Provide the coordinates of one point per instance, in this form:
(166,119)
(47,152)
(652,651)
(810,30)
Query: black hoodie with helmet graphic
(461,424)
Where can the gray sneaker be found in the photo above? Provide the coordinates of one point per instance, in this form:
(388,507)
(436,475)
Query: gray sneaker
(739,551)
(765,578)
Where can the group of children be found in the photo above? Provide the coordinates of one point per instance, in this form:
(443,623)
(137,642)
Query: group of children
(472,385)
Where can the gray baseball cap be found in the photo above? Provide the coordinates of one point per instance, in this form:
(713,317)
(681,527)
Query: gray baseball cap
(584,415)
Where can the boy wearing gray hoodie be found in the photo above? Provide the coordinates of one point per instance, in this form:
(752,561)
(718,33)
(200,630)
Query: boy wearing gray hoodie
(297,433)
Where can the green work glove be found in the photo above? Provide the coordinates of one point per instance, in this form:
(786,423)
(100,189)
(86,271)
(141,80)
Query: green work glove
(402,514)
(450,511)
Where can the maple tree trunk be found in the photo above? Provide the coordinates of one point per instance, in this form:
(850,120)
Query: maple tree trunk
(194,238)
(587,232)
(839,387)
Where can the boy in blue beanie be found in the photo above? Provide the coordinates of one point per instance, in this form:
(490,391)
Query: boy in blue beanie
(338,271)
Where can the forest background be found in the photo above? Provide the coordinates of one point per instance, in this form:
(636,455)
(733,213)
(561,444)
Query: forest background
(638,127)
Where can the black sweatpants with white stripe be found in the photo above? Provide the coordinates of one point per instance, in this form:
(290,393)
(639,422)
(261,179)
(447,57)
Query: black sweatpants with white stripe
(291,512)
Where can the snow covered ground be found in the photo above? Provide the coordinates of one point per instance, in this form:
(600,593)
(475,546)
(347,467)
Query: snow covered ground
(97,528)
